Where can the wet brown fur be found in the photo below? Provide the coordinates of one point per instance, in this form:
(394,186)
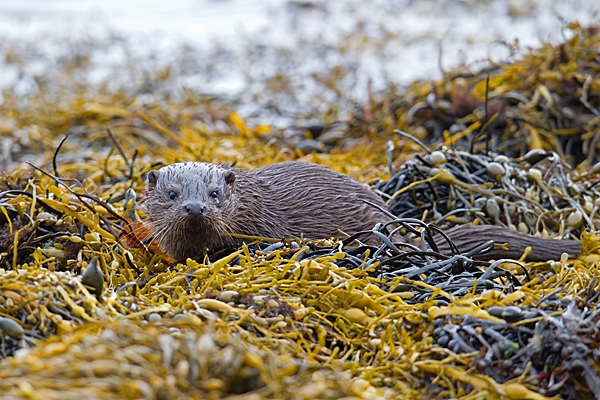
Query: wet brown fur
(467,237)
(279,201)
(287,200)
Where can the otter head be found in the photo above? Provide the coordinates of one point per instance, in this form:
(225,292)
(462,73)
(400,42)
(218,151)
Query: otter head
(188,206)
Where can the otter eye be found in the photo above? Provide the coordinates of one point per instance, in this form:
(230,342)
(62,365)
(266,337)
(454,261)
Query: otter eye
(172,195)
(214,194)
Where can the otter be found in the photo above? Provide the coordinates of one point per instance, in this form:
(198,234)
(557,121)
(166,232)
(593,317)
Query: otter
(195,207)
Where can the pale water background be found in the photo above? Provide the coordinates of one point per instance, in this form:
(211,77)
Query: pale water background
(240,49)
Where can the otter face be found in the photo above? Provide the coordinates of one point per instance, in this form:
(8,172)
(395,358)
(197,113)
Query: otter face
(188,205)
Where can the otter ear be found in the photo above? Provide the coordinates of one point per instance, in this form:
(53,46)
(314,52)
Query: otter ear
(229,177)
(152,178)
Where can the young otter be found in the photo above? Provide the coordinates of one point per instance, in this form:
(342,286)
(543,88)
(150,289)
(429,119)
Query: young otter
(193,207)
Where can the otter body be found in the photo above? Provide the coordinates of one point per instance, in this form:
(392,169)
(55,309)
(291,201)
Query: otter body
(194,207)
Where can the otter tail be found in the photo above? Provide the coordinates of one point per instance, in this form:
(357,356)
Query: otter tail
(467,237)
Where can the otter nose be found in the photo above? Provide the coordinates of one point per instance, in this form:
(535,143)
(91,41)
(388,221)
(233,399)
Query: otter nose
(194,209)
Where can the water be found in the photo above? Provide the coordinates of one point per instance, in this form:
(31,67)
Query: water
(275,57)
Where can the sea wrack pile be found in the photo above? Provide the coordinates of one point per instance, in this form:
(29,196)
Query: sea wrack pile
(86,310)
